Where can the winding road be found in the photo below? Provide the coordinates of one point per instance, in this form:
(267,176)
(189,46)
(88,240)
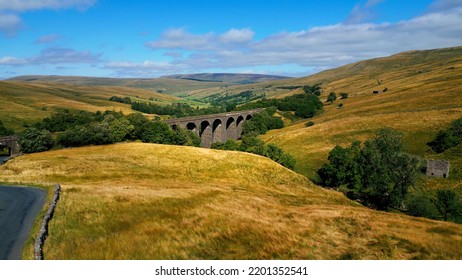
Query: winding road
(19,206)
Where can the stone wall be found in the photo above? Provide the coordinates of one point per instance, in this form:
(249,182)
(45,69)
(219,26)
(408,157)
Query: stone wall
(43,231)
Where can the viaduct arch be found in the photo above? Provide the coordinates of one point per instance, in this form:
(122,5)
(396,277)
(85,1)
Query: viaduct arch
(9,146)
(216,127)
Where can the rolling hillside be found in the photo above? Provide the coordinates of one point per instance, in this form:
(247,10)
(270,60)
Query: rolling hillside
(424,94)
(23,103)
(147,201)
(412,71)
(173,84)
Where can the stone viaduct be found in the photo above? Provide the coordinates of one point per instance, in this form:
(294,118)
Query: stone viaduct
(216,127)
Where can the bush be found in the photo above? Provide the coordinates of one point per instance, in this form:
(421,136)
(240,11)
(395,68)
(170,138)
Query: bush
(34,140)
(310,123)
(421,206)
(344,95)
(448,204)
(261,123)
(331,97)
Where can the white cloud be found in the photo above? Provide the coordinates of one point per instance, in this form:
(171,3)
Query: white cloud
(27,5)
(178,38)
(237,36)
(54,56)
(362,13)
(445,5)
(45,39)
(316,48)
(9,24)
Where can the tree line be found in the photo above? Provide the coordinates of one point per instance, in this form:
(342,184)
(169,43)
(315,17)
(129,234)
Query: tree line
(81,128)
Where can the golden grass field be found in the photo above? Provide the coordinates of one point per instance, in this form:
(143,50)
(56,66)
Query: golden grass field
(148,201)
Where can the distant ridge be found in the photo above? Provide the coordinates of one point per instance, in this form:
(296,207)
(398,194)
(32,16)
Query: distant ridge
(224,78)
(228,77)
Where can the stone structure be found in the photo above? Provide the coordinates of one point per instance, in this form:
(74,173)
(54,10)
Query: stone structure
(438,168)
(217,127)
(43,231)
(10,142)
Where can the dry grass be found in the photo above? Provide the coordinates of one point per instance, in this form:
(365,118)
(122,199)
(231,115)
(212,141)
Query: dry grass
(145,201)
(424,95)
(22,103)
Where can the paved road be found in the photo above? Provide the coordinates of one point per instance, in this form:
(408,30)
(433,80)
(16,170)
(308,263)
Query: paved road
(19,206)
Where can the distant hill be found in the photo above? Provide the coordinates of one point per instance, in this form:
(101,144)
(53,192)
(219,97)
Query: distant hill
(228,77)
(174,84)
(397,72)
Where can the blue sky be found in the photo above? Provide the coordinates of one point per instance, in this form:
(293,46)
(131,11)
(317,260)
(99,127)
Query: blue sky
(115,38)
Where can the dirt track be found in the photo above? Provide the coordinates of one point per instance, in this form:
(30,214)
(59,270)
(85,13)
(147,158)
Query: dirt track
(19,206)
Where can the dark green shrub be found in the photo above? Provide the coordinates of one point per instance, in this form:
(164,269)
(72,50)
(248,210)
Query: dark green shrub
(34,140)
(308,124)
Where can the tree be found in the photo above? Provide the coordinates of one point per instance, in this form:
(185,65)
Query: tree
(138,121)
(421,206)
(331,97)
(34,140)
(157,132)
(447,204)
(379,174)
(120,129)
(344,95)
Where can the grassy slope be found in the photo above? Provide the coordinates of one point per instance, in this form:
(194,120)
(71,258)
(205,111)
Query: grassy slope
(146,201)
(22,102)
(424,95)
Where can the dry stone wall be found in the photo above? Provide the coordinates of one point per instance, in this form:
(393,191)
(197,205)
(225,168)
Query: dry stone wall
(43,232)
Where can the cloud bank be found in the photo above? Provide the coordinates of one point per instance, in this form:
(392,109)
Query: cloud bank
(316,48)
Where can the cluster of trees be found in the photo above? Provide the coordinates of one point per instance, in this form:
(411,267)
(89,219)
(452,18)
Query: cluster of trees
(254,145)
(444,204)
(75,129)
(377,173)
(125,100)
(261,123)
(5,131)
(315,89)
(305,105)
(449,138)
(176,109)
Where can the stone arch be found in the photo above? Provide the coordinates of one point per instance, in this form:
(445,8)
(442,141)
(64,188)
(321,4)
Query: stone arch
(218,131)
(206,134)
(9,146)
(231,129)
(192,127)
(5,151)
(239,124)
